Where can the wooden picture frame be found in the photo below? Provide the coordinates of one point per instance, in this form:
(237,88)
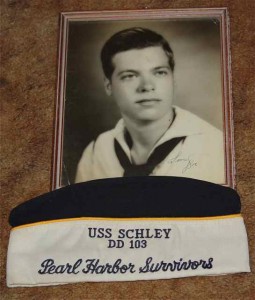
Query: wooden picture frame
(207,94)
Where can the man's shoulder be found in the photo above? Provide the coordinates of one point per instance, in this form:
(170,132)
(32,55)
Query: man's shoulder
(104,138)
(195,123)
(110,135)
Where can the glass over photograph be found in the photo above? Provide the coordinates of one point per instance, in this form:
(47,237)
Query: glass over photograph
(143,98)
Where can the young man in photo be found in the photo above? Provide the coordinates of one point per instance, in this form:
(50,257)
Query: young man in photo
(153,137)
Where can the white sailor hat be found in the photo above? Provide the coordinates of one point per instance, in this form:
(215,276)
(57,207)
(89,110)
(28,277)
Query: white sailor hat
(123,229)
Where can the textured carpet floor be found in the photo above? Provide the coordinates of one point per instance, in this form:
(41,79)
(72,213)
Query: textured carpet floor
(29,34)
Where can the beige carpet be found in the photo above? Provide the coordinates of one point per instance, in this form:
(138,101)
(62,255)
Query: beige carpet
(29,41)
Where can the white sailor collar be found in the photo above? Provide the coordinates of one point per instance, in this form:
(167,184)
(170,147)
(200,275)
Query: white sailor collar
(185,124)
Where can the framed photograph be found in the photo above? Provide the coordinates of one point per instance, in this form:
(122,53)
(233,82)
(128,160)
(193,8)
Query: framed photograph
(144,93)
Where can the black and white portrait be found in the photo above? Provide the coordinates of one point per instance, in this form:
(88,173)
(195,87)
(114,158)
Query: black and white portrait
(143,98)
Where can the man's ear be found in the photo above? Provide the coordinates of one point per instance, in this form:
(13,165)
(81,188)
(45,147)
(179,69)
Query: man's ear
(108,86)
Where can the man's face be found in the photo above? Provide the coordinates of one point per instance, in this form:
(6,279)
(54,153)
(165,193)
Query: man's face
(142,84)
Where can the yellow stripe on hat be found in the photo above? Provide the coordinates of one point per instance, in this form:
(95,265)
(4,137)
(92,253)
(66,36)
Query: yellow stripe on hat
(128,219)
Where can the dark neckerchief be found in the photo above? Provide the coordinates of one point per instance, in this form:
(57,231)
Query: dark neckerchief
(157,156)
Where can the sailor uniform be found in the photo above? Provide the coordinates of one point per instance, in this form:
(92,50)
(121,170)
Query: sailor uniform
(190,148)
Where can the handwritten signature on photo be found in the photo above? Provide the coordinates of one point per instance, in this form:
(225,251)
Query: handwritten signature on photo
(188,162)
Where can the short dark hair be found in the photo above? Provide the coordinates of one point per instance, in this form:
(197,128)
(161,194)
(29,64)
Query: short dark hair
(132,38)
